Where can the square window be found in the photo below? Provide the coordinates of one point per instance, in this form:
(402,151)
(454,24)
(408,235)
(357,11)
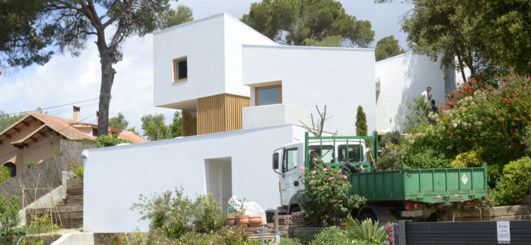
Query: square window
(180,69)
(268,95)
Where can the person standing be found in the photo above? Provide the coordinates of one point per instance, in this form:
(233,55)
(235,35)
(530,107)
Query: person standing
(426,96)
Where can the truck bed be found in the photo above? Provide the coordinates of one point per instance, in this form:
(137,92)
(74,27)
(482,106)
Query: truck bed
(434,185)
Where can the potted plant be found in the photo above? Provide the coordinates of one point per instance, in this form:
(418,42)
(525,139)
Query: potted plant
(255,221)
(231,219)
(242,219)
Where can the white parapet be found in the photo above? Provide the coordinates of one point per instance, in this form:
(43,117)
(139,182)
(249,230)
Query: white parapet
(273,115)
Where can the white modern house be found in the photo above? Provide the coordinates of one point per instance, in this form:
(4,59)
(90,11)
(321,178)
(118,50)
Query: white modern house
(242,97)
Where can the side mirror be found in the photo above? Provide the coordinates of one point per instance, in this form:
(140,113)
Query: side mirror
(275,161)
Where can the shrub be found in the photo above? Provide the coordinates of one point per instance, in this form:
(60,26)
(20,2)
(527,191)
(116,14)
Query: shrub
(30,164)
(361,122)
(40,225)
(208,215)
(326,198)
(9,206)
(170,211)
(75,169)
(107,140)
(5,174)
(466,159)
(331,236)
(368,232)
(476,116)
(514,182)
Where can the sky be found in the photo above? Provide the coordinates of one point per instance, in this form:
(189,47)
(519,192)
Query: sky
(66,79)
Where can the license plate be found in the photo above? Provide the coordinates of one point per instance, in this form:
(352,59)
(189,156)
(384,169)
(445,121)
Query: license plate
(411,213)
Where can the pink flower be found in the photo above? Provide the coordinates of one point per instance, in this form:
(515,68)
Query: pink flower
(388,228)
(391,238)
(344,177)
(324,169)
(330,179)
(301,168)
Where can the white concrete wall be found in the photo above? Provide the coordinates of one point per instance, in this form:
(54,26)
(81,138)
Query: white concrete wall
(213,48)
(237,34)
(116,176)
(202,41)
(273,115)
(340,78)
(402,78)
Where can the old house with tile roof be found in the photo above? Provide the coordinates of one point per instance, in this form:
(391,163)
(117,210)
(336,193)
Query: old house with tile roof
(36,136)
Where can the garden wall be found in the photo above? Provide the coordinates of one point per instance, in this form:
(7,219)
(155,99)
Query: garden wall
(44,176)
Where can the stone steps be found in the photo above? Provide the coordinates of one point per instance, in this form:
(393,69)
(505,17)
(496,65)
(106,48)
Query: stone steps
(67,213)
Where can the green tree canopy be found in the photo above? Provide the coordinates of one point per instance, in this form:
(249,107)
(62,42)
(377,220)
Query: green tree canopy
(483,35)
(387,47)
(22,36)
(6,120)
(155,128)
(118,122)
(308,22)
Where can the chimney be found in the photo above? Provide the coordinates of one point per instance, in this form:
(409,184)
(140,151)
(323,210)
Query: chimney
(77,112)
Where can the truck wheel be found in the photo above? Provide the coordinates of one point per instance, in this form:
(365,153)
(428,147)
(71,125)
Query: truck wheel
(294,209)
(368,215)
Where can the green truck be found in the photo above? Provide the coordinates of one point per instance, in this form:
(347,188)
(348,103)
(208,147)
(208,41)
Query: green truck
(406,193)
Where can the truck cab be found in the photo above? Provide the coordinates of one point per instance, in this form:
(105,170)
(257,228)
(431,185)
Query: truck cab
(290,161)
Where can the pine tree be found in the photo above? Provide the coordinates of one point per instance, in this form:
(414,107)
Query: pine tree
(361,122)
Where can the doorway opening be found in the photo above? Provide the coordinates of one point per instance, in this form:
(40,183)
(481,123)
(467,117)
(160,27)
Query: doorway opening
(218,177)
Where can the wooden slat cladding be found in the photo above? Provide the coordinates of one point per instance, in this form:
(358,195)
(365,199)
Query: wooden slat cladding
(220,113)
(189,123)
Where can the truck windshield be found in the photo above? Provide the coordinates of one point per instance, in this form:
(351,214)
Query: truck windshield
(354,153)
(326,152)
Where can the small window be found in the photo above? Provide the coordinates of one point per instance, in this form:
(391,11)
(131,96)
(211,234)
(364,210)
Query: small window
(291,160)
(180,69)
(268,95)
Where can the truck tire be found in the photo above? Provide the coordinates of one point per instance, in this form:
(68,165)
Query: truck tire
(294,209)
(368,215)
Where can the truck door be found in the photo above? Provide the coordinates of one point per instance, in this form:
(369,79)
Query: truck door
(289,183)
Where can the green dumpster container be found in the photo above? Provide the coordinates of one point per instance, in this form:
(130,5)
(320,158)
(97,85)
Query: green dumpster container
(434,185)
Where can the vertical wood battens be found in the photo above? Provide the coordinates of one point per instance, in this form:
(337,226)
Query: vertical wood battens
(220,113)
(189,122)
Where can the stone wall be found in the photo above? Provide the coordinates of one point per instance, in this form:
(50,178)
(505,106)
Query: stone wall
(44,177)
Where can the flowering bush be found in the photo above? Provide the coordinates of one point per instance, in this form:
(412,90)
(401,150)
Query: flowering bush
(326,198)
(514,183)
(115,239)
(490,117)
(466,159)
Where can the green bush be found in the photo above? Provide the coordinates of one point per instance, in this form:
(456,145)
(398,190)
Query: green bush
(30,164)
(514,182)
(5,174)
(326,198)
(9,206)
(490,120)
(208,215)
(368,232)
(40,225)
(106,140)
(331,236)
(75,168)
(170,212)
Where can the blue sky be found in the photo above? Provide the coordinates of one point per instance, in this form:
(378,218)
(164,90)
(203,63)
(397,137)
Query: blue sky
(67,79)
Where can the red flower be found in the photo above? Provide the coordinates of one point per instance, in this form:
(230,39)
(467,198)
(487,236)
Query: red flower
(529,122)
(503,123)
(480,83)
(512,69)
(516,118)
(447,108)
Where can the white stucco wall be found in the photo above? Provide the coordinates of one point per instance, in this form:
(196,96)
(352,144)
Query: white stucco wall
(116,176)
(341,78)
(273,115)
(213,48)
(402,78)
(237,34)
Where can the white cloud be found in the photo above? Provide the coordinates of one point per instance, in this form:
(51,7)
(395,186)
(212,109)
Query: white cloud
(67,79)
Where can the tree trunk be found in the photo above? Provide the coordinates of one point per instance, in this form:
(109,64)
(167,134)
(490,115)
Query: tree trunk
(107,79)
